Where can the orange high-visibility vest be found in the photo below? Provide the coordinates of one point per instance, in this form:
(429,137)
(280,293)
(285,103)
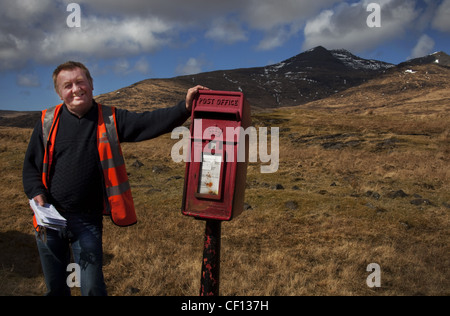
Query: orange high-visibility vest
(121,206)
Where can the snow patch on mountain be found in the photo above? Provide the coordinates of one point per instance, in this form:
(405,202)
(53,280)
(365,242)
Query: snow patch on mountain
(355,62)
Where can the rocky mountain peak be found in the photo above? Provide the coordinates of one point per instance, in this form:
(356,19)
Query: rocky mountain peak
(312,75)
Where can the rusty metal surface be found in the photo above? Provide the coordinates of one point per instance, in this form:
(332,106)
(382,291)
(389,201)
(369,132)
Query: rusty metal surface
(211,259)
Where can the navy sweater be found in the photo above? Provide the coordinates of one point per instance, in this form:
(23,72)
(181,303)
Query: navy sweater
(76,181)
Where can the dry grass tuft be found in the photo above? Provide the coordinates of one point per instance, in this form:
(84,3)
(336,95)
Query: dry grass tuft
(338,208)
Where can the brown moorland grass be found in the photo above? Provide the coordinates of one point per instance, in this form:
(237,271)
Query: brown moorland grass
(334,206)
(363,178)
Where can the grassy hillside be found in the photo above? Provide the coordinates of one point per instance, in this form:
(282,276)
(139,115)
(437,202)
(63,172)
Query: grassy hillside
(334,211)
(359,182)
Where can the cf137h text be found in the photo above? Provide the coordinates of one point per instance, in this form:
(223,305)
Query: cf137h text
(244,305)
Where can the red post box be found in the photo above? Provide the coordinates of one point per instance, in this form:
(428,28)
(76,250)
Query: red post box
(216,172)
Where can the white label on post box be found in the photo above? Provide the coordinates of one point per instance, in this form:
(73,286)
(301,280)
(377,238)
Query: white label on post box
(210,174)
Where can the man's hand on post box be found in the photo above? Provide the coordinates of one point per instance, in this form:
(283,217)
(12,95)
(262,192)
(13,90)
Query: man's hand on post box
(191,95)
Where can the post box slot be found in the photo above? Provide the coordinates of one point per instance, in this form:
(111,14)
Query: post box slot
(219,130)
(223,116)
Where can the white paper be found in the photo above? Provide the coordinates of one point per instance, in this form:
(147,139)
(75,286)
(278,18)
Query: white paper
(210,174)
(47,216)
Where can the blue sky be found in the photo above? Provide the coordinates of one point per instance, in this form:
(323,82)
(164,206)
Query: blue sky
(123,42)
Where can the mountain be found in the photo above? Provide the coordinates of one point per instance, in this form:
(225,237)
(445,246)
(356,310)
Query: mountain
(21,119)
(439,58)
(312,75)
(309,76)
(316,76)
(420,89)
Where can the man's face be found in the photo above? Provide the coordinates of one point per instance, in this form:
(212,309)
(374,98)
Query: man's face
(75,90)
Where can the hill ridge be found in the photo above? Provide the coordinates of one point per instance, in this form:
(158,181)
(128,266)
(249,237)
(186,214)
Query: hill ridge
(302,80)
(313,75)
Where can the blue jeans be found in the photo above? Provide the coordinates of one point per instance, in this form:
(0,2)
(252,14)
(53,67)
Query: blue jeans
(84,235)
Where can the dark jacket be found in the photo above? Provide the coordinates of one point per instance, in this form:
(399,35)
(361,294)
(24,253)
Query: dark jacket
(76,181)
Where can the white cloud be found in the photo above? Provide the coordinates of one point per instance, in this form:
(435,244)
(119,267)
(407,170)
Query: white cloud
(423,47)
(270,14)
(274,38)
(346,25)
(28,80)
(142,66)
(108,38)
(226,31)
(320,25)
(36,31)
(122,66)
(192,66)
(442,19)
(27,10)
(280,20)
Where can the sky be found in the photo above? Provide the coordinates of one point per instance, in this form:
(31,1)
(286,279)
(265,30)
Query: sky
(124,42)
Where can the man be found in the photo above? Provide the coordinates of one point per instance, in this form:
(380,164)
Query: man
(74,161)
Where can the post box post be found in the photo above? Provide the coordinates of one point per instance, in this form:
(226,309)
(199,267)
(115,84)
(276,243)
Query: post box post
(210,278)
(216,171)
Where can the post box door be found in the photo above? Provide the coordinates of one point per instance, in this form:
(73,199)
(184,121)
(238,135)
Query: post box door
(214,179)
(211,172)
